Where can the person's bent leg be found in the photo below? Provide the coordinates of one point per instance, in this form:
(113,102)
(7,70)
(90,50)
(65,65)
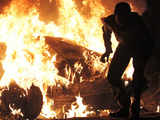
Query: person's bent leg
(117,67)
(139,85)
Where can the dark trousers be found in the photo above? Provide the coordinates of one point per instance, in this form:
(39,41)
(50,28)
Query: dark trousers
(118,65)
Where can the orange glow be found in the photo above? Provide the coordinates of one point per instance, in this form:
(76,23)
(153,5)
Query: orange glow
(27,60)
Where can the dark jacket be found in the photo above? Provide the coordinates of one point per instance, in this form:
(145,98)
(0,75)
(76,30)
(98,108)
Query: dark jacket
(134,34)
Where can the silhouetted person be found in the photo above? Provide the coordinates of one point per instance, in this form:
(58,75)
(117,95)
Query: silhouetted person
(134,41)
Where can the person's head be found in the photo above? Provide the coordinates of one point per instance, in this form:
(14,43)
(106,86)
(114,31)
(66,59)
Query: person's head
(122,11)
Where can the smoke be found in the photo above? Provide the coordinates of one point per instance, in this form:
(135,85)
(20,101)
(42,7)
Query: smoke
(84,9)
(137,5)
(20,7)
(24,7)
(4,4)
(49,10)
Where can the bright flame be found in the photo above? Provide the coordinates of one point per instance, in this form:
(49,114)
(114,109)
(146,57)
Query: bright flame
(105,112)
(27,60)
(129,71)
(15,111)
(78,109)
(47,110)
(158,108)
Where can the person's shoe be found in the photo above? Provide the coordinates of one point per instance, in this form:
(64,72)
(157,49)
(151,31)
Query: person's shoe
(122,113)
(135,117)
(135,110)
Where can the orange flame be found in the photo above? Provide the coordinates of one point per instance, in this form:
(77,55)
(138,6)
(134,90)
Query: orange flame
(27,59)
(79,109)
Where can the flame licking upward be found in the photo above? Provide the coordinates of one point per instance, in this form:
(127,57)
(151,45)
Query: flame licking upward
(26,58)
(79,109)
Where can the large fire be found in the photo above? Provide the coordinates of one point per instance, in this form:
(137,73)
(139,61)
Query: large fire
(25,58)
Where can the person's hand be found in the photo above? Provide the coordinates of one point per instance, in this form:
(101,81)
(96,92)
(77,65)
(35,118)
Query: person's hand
(104,58)
(103,19)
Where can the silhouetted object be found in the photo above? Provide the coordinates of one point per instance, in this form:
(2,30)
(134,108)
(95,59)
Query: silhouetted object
(134,41)
(30,102)
(68,54)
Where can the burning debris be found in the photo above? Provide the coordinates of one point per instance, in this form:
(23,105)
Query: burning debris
(50,71)
(79,59)
(17,101)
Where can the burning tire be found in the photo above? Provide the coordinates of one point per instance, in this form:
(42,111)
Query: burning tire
(14,98)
